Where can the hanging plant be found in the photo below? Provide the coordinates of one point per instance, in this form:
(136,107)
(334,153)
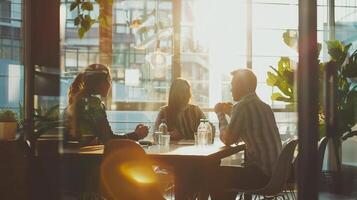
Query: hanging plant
(84,20)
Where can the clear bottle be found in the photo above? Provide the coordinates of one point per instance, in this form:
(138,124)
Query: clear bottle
(202,133)
(163,127)
(209,132)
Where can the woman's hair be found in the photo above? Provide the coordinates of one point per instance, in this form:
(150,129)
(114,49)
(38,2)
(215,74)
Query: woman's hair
(179,97)
(88,81)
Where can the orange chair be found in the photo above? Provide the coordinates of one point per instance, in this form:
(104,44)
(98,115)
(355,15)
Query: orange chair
(126,172)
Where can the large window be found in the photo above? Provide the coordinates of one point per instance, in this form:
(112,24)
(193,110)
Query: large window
(221,36)
(5,11)
(11,51)
(138,84)
(216,37)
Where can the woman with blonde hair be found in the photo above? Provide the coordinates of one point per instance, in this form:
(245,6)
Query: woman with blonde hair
(182,118)
(86,113)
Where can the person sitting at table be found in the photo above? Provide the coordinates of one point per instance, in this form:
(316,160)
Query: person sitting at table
(182,118)
(86,113)
(251,121)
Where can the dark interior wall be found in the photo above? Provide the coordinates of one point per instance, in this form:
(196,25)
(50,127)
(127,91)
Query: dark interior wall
(45,33)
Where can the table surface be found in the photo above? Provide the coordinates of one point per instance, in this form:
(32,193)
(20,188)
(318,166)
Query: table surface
(185,157)
(216,150)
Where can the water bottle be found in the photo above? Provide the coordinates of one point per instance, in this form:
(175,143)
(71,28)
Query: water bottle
(163,127)
(209,132)
(202,133)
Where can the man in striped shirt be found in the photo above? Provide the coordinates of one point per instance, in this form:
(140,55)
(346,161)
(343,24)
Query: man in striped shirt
(251,121)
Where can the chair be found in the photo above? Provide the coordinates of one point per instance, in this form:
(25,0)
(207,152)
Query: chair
(279,177)
(290,187)
(321,152)
(126,172)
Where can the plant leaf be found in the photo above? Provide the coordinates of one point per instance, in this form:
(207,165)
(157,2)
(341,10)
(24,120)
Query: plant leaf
(81,32)
(277,96)
(290,38)
(73,6)
(337,50)
(77,20)
(87,6)
(272,79)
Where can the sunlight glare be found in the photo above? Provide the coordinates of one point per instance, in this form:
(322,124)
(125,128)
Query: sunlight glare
(220,26)
(137,172)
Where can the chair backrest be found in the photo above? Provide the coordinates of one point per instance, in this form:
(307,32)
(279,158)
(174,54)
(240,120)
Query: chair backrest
(321,152)
(126,172)
(281,171)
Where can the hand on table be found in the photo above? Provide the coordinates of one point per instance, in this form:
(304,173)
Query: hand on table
(141,131)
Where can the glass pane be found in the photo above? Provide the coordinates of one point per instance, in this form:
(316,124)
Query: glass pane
(138,82)
(11,62)
(346,27)
(213,43)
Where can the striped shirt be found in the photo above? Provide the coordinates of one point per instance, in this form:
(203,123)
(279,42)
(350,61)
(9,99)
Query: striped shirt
(187,120)
(254,122)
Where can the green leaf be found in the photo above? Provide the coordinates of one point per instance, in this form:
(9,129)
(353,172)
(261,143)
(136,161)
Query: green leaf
(276,96)
(87,6)
(337,50)
(73,6)
(290,38)
(86,23)
(7,115)
(81,32)
(289,77)
(285,88)
(89,19)
(285,64)
(350,69)
(77,20)
(272,79)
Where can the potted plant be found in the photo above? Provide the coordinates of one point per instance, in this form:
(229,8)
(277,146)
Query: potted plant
(343,63)
(8,125)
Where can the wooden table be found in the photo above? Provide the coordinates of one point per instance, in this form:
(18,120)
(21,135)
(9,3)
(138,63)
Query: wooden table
(183,158)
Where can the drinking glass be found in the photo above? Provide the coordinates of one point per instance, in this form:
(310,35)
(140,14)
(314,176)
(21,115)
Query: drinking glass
(164,140)
(156,137)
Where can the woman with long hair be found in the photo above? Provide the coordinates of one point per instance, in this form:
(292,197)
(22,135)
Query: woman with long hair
(86,113)
(182,118)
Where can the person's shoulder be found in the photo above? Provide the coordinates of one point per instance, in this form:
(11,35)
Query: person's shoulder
(240,105)
(93,102)
(163,109)
(193,107)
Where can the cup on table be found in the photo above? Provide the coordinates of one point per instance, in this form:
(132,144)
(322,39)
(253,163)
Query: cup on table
(156,137)
(164,140)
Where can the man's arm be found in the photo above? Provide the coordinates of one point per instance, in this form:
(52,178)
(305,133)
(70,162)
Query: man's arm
(226,136)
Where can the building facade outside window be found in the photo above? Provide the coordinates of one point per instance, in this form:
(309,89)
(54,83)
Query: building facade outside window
(216,38)
(11,55)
